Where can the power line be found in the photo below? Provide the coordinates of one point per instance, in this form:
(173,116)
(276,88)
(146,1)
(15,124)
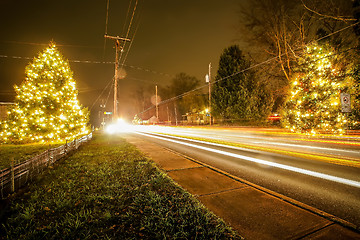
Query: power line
(110,90)
(8,93)
(120,48)
(254,66)
(98,62)
(127,52)
(127,15)
(142,80)
(128,31)
(111,80)
(15,57)
(107,16)
(340,30)
(47,44)
(106,26)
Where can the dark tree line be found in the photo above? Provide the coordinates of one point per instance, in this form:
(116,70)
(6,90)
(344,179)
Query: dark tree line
(273,35)
(237,93)
(175,99)
(281,29)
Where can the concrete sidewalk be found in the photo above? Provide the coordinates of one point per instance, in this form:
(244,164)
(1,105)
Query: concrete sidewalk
(254,212)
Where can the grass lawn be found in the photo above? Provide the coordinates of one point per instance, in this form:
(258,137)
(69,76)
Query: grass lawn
(21,152)
(109,190)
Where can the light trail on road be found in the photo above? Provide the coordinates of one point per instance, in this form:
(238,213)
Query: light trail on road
(256,160)
(349,150)
(307,146)
(315,171)
(321,177)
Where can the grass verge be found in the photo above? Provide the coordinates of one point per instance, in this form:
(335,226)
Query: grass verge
(21,152)
(109,190)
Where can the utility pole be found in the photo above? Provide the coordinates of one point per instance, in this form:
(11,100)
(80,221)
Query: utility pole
(167,110)
(208,80)
(118,49)
(156,103)
(176,121)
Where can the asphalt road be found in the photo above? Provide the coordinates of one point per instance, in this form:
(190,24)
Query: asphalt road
(331,187)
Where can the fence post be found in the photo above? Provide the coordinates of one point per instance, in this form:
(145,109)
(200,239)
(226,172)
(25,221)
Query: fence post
(47,157)
(12,175)
(2,185)
(31,168)
(65,147)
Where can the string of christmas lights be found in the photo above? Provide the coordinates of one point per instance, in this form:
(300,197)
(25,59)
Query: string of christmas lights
(47,108)
(314,102)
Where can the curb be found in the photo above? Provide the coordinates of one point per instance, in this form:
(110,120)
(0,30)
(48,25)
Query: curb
(293,202)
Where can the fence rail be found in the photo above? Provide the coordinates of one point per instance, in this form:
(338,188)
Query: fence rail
(16,176)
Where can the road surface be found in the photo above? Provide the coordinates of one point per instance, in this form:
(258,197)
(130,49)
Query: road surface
(321,172)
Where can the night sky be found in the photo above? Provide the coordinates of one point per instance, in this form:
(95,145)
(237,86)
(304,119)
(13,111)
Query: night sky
(172,37)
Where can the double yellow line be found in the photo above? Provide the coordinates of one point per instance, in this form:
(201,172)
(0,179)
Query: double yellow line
(318,157)
(329,141)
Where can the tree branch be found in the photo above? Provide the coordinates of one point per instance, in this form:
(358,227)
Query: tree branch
(339,18)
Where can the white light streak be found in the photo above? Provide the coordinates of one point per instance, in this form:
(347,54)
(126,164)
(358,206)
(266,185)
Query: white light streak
(251,159)
(119,127)
(309,147)
(190,133)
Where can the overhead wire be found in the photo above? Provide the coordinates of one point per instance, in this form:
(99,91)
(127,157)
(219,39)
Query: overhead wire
(97,62)
(106,26)
(110,90)
(340,30)
(128,30)
(127,34)
(251,67)
(203,86)
(111,81)
(181,95)
(126,18)
(47,44)
(131,42)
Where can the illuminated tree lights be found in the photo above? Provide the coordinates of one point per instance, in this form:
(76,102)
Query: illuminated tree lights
(314,102)
(47,108)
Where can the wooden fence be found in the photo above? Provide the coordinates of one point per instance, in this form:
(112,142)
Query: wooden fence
(16,176)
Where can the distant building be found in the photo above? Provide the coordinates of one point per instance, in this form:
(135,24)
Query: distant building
(153,120)
(4,108)
(199,118)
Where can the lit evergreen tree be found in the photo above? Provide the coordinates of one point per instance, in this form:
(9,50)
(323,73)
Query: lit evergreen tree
(47,108)
(355,97)
(314,101)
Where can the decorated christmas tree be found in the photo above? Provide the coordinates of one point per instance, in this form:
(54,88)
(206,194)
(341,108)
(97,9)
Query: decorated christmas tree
(47,108)
(314,102)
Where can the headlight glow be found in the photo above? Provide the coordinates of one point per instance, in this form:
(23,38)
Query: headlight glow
(121,126)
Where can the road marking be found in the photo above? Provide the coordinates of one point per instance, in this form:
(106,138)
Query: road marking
(311,147)
(288,144)
(329,141)
(251,159)
(318,157)
(190,133)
